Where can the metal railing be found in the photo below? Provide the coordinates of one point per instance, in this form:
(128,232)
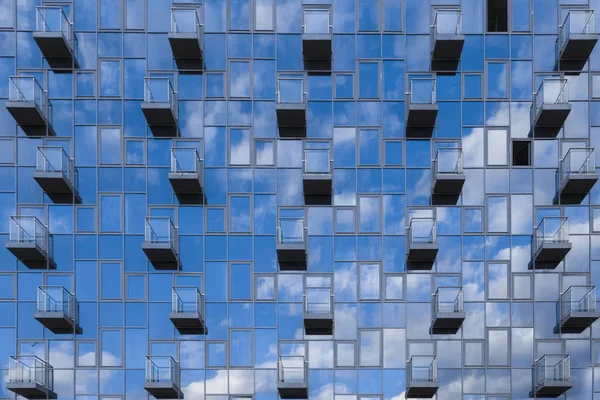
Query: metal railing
(27,228)
(162,369)
(577,299)
(421,368)
(422,91)
(292,370)
(185,160)
(422,230)
(576,22)
(317,19)
(57,299)
(161,230)
(447,299)
(552,367)
(318,300)
(30,369)
(577,161)
(317,161)
(291,230)
(158,89)
(186,299)
(447,22)
(290,89)
(551,230)
(551,91)
(53,19)
(55,159)
(27,88)
(185,20)
(448,161)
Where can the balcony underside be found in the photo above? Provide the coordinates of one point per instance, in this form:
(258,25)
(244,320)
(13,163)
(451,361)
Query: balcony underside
(57,322)
(30,254)
(163,390)
(317,184)
(31,390)
(447,47)
(421,256)
(578,47)
(316,51)
(189,323)
(550,389)
(56,186)
(550,254)
(421,389)
(576,187)
(161,119)
(56,49)
(550,120)
(292,390)
(447,322)
(448,183)
(291,119)
(30,118)
(318,324)
(292,256)
(187,187)
(421,120)
(187,50)
(161,255)
(577,321)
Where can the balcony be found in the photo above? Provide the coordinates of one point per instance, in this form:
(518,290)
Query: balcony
(551,242)
(57,310)
(447,40)
(421,243)
(30,242)
(576,175)
(161,243)
(162,377)
(291,244)
(552,376)
(28,104)
(292,381)
(160,106)
(291,106)
(448,176)
(56,174)
(317,173)
(30,377)
(421,377)
(318,310)
(317,37)
(447,313)
(576,39)
(576,309)
(187,175)
(186,37)
(422,108)
(54,36)
(550,107)
(187,311)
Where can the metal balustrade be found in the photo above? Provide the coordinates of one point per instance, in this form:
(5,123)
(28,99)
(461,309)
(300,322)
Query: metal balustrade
(186,38)
(576,175)
(161,242)
(187,175)
(447,310)
(550,107)
(552,375)
(447,174)
(187,310)
(160,106)
(576,39)
(551,241)
(292,377)
(30,242)
(576,309)
(162,377)
(421,376)
(54,36)
(30,377)
(317,172)
(421,107)
(447,39)
(28,104)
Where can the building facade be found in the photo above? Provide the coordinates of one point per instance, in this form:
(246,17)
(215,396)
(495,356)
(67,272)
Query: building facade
(324,199)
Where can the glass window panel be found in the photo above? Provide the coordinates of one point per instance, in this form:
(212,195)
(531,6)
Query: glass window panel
(370,213)
(370,348)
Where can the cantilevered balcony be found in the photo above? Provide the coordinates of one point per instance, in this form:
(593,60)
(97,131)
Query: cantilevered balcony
(161,243)
(576,39)
(447,40)
(318,310)
(576,175)
(30,377)
(28,104)
(187,175)
(552,376)
(186,38)
(291,106)
(291,243)
(317,173)
(292,382)
(421,108)
(576,309)
(187,311)
(551,242)
(550,107)
(54,36)
(162,377)
(421,377)
(30,242)
(57,310)
(447,312)
(317,34)
(421,243)
(448,176)
(56,174)
(160,106)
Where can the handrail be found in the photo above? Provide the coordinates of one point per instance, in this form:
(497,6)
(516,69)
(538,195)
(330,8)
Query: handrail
(577,298)
(552,367)
(551,91)
(318,300)
(551,229)
(28,368)
(161,230)
(295,237)
(162,369)
(319,11)
(448,160)
(187,299)
(577,161)
(288,92)
(312,162)
(292,369)
(53,19)
(57,299)
(28,228)
(183,25)
(576,22)
(447,299)
(421,368)
(419,91)
(186,160)
(456,29)
(55,159)
(27,88)
(422,224)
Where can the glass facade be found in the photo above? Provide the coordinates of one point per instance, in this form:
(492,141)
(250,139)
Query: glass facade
(324,199)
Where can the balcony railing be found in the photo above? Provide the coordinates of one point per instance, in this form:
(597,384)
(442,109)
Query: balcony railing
(290,89)
(53,19)
(317,161)
(447,22)
(318,300)
(185,20)
(185,160)
(448,161)
(317,20)
(27,88)
(422,230)
(577,22)
(447,300)
(187,299)
(55,159)
(577,161)
(160,90)
(577,299)
(422,91)
(57,299)
(552,230)
(30,369)
(552,368)
(421,368)
(161,230)
(27,229)
(291,230)
(551,91)
(292,370)
(162,369)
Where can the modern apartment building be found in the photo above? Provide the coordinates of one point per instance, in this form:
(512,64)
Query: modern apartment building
(299,199)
